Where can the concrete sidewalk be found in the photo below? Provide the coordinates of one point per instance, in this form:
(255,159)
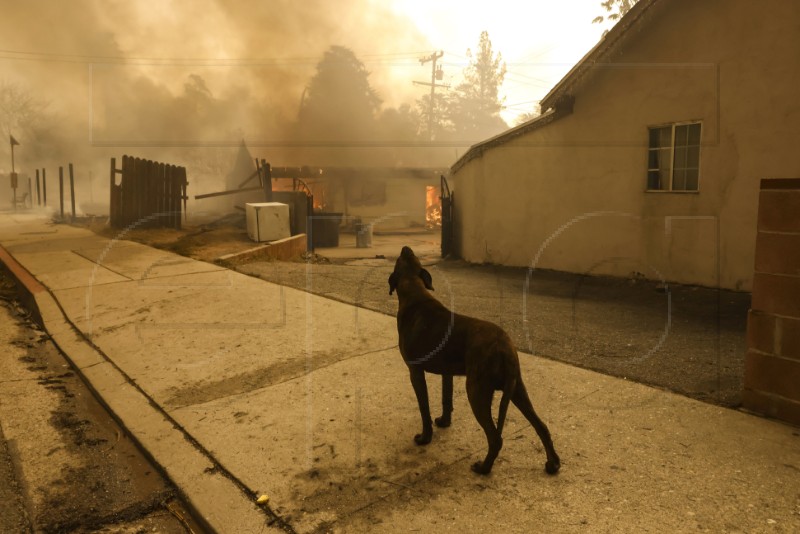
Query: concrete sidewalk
(237,387)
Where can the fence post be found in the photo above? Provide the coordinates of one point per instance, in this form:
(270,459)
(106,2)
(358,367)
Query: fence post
(177,193)
(183,184)
(61,190)
(44,186)
(38,190)
(128,185)
(266,172)
(169,196)
(72,192)
(112,199)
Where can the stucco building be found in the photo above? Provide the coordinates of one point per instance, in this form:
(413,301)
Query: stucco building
(648,155)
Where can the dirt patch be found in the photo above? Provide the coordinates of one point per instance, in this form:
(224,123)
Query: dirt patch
(205,242)
(77,470)
(252,380)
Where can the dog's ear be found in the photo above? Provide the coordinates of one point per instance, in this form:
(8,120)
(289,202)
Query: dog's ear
(426,278)
(392,282)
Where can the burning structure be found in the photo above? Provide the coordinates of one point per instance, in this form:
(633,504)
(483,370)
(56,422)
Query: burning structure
(389,198)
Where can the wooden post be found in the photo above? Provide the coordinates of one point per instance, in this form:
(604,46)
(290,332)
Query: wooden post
(266,172)
(112,199)
(72,191)
(125,190)
(168,203)
(147,171)
(258,173)
(174,198)
(136,190)
(44,187)
(161,192)
(135,187)
(144,189)
(38,190)
(61,189)
(149,192)
(183,184)
(129,191)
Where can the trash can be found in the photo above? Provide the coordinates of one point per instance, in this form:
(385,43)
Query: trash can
(325,229)
(363,235)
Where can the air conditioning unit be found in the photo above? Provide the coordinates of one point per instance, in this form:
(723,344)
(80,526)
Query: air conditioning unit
(267,221)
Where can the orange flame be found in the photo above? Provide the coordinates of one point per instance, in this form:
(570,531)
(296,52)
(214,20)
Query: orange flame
(433,207)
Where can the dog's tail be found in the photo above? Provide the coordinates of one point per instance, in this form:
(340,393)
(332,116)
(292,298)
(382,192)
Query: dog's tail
(508,390)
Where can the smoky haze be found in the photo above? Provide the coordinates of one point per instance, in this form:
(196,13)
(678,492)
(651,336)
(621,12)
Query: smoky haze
(185,81)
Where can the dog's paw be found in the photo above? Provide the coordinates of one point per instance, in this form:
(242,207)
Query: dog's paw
(481,469)
(552,467)
(443,421)
(423,439)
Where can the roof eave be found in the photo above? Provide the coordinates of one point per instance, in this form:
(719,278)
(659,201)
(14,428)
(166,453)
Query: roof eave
(478,149)
(559,101)
(597,54)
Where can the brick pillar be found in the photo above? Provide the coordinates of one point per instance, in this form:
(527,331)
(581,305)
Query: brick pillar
(772,365)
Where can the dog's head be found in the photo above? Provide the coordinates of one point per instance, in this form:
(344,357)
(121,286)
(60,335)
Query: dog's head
(408,265)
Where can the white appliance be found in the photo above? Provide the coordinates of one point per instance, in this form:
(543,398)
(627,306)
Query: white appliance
(267,221)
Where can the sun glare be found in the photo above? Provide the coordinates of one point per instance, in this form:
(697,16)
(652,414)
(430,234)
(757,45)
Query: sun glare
(540,40)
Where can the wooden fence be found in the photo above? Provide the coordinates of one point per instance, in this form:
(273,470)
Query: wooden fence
(149,194)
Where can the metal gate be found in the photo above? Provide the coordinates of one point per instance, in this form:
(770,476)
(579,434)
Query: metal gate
(447,217)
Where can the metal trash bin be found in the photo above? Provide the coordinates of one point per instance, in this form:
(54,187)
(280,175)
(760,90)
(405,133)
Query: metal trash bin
(325,229)
(363,235)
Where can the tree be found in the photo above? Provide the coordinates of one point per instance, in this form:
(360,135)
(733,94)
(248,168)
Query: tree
(20,113)
(616,10)
(474,106)
(338,103)
(442,127)
(29,120)
(398,124)
(525,117)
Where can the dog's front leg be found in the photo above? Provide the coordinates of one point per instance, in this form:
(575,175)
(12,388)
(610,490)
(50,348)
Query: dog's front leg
(421,390)
(447,402)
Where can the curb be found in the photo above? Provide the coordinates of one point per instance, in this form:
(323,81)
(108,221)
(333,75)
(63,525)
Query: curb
(284,250)
(218,501)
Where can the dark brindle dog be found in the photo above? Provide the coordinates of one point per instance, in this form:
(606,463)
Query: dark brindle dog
(436,340)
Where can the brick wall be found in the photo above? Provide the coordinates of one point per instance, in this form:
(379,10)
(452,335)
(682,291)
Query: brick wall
(772,364)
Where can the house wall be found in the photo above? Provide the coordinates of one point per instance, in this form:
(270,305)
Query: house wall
(401,206)
(404,206)
(571,194)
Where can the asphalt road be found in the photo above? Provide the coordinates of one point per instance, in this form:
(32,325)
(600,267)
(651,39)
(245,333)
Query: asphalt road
(686,339)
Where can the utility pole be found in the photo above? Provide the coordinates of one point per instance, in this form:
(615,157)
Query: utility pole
(436,74)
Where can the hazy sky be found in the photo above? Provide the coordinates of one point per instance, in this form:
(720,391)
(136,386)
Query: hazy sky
(539,39)
(122,70)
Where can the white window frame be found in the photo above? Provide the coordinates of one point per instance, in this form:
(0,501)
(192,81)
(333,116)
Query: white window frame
(673,126)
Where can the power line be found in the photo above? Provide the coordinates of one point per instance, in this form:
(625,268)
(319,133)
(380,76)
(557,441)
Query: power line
(190,61)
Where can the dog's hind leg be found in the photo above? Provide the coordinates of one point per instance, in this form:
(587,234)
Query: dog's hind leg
(421,391)
(447,402)
(480,399)
(522,401)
